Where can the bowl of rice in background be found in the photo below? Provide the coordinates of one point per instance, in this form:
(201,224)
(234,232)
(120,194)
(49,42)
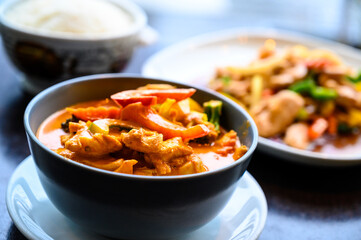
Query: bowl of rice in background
(49,41)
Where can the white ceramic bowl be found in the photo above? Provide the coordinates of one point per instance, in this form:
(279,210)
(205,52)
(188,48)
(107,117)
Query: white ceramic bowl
(44,59)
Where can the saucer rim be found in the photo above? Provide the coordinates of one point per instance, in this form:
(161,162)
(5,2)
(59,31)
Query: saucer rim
(247,177)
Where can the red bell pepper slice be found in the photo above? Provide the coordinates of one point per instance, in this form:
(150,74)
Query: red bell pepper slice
(149,118)
(151,96)
(319,64)
(95,113)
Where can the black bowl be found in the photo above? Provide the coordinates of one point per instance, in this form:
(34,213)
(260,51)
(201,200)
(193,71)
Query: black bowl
(130,206)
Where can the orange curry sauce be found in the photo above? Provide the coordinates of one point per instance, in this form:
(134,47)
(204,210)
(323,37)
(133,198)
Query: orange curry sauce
(50,131)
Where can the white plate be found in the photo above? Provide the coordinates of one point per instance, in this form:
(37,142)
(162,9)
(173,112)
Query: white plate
(36,217)
(195,60)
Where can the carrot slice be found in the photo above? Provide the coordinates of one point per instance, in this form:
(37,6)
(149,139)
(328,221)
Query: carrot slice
(95,113)
(332,124)
(318,128)
(149,118)
(151,96)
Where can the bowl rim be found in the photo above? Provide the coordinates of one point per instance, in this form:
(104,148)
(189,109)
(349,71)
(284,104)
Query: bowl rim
(137,14)
(98,77)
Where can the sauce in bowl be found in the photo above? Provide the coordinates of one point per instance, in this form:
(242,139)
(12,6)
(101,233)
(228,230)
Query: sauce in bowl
(155,130)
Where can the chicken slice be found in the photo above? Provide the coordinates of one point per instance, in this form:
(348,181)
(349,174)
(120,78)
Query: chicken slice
(150,142)
(289,76)
(169,149)
(227,143)
(297,136)
(65,153)
(74,126)
(348,96)
(193,165)
(161,167)
(172,152)
(105,165)
(238,88)
(142,140)
(281,80)
(127,166)
(84,143)
(165,156)
(277,113)
(239,152)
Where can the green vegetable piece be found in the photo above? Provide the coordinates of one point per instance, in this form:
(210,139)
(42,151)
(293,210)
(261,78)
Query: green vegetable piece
(344,128)
(355,79)
(304,86)
(308,86)
(99,126)
(323,94)
(213,109)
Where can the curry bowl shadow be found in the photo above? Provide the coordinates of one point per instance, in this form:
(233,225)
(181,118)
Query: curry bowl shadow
(130,206)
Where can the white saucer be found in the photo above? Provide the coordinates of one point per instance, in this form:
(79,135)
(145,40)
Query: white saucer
(36,217)
(195,60)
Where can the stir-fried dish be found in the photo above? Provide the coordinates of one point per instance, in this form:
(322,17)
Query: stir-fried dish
(305,98)
(154,130)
